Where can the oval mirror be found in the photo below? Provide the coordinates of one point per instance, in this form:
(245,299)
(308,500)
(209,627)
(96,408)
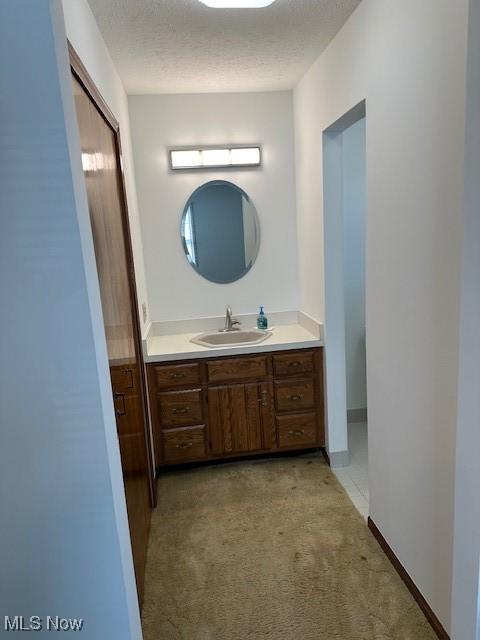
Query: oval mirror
(220,231)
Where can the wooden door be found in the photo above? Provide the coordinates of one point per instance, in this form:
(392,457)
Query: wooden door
(100,158)
(240,418)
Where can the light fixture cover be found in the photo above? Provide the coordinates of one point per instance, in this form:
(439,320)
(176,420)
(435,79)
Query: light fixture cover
(211,157)
(237,4)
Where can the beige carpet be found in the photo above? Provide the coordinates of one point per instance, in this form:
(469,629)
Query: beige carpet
(274,549)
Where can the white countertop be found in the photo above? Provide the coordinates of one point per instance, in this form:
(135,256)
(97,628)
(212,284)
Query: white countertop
(178,346)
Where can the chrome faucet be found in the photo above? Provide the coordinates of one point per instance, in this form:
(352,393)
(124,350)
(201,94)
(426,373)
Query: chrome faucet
(229,321)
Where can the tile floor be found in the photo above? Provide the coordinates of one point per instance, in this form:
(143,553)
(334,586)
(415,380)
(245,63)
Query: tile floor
(354,478)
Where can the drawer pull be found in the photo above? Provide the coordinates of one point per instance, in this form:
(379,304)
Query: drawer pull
(295,364)
(264,399)
(184,445)
(297,432)
(119,396)
(178,375)
(296,397)
(180,410)
(129,372)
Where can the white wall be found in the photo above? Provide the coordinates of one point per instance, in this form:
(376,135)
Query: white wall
(175,290)
(407,59)
(353,171)
(65,547)
(83,33)
(465,621)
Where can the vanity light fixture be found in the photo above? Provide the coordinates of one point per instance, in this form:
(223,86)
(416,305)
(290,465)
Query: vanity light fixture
(237,4)
(214,158)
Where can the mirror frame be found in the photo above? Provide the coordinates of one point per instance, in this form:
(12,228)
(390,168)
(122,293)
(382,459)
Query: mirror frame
(257,225)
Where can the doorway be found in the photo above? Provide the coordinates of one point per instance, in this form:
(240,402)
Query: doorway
(344,154)
(101,161)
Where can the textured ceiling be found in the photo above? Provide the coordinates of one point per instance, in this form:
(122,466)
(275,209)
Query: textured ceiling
(182,46)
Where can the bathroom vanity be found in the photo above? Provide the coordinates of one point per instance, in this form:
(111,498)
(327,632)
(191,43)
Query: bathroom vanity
(211,408)
(238,390)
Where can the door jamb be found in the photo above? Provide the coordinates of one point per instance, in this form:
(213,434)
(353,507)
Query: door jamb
(335,374)
(81,74)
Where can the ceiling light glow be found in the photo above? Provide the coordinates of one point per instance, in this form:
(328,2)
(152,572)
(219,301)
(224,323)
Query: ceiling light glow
(215,157)
(185,159)
(237,4)
(247,155)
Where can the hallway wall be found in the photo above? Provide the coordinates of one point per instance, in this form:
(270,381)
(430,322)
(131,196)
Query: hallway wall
(65,547)
(466,592)
(407,59)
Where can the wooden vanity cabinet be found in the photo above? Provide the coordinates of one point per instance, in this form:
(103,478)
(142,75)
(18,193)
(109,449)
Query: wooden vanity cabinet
(240,418)
(215,408)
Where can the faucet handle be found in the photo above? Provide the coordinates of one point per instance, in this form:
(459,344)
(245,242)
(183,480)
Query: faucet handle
(229,321)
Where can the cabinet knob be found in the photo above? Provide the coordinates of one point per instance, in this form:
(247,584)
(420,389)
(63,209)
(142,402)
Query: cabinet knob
(295,364)
(177,375)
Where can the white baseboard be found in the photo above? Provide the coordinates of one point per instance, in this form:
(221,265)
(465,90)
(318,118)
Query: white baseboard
(357,415)
(339,459)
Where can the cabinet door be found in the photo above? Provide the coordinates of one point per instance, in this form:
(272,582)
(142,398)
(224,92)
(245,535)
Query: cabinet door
(260,416)
(240,418)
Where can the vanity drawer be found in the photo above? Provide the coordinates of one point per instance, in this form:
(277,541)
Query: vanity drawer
(176,375)
(294,430)
(289,364)
(237,369)
(180,445)
(124,379)
(293,395)
(180,408)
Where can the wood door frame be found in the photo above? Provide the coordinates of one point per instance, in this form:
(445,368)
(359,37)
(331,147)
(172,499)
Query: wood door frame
(81,74)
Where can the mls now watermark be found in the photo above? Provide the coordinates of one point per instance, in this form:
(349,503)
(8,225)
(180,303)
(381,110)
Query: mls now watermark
(37,623)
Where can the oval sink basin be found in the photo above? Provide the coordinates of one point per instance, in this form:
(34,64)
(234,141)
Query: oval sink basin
(215,339)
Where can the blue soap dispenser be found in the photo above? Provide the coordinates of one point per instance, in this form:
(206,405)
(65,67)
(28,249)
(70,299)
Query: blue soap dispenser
(262,320)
